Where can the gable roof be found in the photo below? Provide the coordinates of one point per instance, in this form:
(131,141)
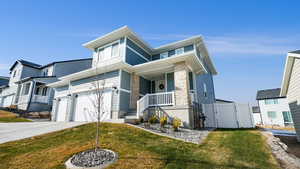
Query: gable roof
(125,31)
(37,66)
(268,94)
(291,56)
(26,63)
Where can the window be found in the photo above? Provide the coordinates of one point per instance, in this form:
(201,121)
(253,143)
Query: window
(287,118)
(179,51)
(205,90)
(271,101)
(164,55)
(26,88)
(45,72)
(37,91)
(14,73)
(191,80)
(44,92)
(115,50)
(272,114)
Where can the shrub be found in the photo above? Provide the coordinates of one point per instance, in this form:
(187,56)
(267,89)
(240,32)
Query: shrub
(163,121)
(153,119)
(176,123)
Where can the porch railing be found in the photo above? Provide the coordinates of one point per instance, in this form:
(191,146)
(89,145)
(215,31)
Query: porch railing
(40,99)
(155,99)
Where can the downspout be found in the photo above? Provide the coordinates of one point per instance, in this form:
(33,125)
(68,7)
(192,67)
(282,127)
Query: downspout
(30,97)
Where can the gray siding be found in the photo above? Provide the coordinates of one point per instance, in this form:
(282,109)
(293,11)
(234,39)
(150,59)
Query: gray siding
(29,72)
(66,68)
(102,76)
(144,86)
(125,80)
(124,101)
(295,111)
(208,80)
(62,88)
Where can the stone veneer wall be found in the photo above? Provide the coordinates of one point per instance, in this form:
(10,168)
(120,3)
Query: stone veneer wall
(135,90)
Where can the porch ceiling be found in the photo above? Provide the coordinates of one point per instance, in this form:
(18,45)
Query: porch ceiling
(154,68)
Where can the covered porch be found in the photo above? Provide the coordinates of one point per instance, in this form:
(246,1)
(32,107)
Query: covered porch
(169,86)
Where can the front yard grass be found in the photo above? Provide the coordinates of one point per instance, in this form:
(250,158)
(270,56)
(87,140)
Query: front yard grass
(140,149)
(6,116)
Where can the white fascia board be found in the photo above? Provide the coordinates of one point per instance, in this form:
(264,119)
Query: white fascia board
(214,71)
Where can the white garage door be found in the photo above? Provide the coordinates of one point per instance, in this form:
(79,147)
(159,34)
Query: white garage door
(85,109)
(7,100)
(61,110)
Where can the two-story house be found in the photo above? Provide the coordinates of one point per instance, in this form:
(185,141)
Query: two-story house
(137,78)
(27,84)
(274,109)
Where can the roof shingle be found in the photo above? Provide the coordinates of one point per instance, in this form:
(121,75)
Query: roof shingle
(268,94)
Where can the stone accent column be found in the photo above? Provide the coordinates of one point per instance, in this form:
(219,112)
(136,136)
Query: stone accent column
(135,90)
(181,80)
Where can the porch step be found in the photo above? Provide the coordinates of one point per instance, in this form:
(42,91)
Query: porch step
(130,118)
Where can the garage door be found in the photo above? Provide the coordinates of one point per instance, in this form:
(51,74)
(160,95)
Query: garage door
(85,109)
(7,100)
(61,110)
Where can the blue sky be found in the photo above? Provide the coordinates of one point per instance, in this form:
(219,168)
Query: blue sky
(247,40)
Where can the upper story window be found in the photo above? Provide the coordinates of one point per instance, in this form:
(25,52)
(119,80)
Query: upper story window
(271,101)
(14,73)
(205,90)
(109,51)
(179,51)
(45,72)
(164,55)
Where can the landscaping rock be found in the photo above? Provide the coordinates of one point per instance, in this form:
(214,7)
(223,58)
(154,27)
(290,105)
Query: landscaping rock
(184,134)
(94,158)
(279,149)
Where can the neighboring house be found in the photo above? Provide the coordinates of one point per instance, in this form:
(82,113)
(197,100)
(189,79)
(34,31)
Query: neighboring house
(274,108)
(138,78)
(291,86)
(27,84)
(256,115)
(221,101)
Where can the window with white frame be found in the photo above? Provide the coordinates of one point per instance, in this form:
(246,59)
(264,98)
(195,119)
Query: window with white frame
(26,89)
(108,52)
(14,73)
(44,91)
(179,51)
(272,114)
(164,55)
(271,101)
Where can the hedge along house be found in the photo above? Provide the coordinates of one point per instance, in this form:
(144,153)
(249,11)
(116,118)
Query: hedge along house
(291,87)
(138,78)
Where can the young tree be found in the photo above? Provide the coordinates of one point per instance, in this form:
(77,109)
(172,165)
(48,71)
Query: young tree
(98,103)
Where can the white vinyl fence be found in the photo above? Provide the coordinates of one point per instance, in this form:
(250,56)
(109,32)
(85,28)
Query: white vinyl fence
(228,115)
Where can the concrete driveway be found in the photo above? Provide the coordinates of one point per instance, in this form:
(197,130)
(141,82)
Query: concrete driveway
(16,131)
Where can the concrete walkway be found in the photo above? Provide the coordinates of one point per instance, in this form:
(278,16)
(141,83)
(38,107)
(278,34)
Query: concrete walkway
(16,131)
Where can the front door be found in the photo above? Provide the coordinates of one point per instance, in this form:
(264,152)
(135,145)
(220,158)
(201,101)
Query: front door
(160,86)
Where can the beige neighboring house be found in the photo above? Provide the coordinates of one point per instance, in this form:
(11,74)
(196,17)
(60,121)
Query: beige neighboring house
(291,87)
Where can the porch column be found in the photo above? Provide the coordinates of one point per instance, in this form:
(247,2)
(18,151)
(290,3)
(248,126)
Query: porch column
(135,90)
(182,87)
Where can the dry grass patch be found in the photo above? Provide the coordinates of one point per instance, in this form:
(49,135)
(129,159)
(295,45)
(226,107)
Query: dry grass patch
(6,116)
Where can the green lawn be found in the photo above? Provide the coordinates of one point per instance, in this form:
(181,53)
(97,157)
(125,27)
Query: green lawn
(140,149)
(6,117)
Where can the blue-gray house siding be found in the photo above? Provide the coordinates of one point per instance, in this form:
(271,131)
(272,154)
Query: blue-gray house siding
(210,95)
(172,52)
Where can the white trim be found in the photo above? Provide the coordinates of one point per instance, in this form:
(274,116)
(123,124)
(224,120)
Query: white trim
(137,53)
(125,48)
(119,87)
(139,46)
(124,90)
